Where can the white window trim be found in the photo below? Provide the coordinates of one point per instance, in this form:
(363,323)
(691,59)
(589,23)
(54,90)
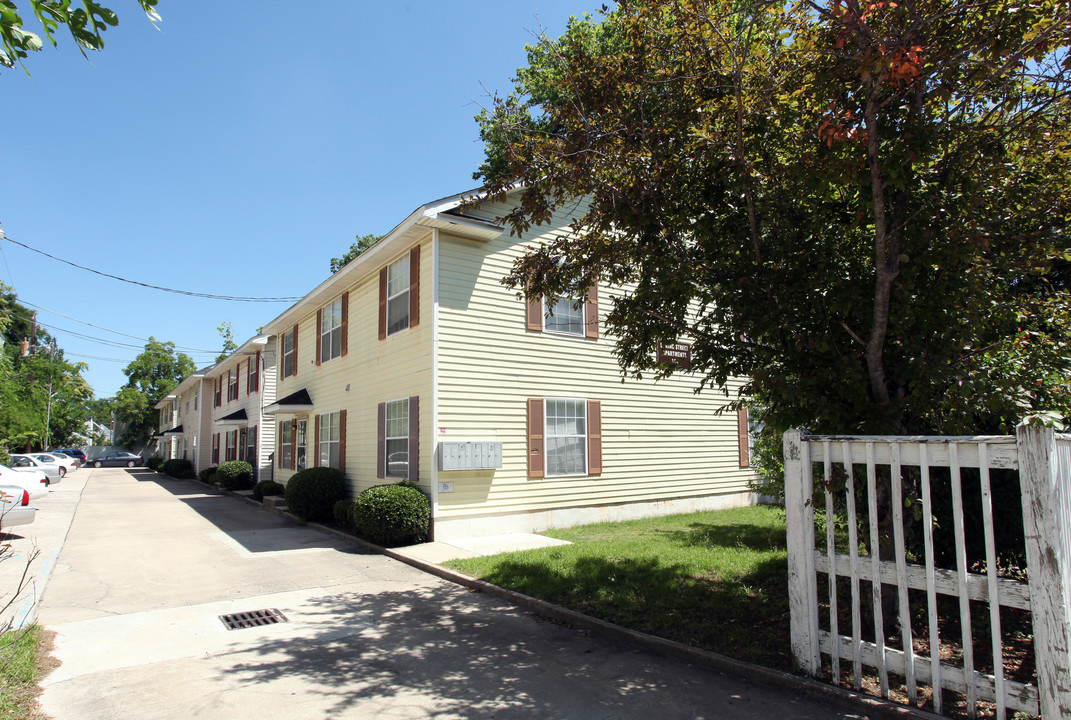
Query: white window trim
(404,259)
(324,316)
(554,331)
(547,437)
(292,353)
(337,442)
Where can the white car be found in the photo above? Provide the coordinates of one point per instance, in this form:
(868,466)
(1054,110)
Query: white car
(66,462)
(32,480)
(15,507)
(53,471)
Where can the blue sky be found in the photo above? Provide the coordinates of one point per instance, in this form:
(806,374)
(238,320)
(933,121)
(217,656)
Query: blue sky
(235,149)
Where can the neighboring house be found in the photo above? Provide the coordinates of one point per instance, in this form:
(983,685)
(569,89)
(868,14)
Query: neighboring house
(239,387)
(415,363)
(185,421)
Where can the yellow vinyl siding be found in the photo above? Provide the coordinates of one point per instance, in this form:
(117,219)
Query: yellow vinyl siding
(659,440)
(375,370)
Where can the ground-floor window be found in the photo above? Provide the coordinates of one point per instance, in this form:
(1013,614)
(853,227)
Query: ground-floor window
(329,441)
(251,447)
(232,446)
(286,444)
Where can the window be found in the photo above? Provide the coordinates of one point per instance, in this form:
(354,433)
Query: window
(215,448)
(564,437)
(286,447)
(252,379)
(232,384)
(218,395)
(330,440)
(187,407)
(290,352)
(399,294)
(564,317)
(251,448)
(232,442)
(396,437)
(332,329)
(301,440)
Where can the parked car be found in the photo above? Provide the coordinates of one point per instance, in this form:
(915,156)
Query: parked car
(52,471)
(118,459)
(74,454)
(15,508)
(27,479)
(66,462)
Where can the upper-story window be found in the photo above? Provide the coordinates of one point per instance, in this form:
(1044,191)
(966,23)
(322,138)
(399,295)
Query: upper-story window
(398,295)
(252,379)
(564,316)
(567,316)
(290,352)
(332,329)
(232,384)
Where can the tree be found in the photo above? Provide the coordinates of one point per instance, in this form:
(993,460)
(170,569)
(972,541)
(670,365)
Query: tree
(86,25)
(229,345)
(363,243)
(150,376)
(858,206)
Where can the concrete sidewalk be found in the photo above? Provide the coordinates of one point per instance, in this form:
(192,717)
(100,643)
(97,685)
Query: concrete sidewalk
(151,563)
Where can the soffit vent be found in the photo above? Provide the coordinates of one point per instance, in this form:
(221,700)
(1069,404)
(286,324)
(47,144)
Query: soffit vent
(253,618)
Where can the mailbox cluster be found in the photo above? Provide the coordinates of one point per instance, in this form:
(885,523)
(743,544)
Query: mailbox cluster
(470,455)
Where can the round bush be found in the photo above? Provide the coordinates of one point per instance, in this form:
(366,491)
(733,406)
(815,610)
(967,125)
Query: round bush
(178,468)
(235,475)
(154,462)
(267,487)
(344,513)
(208,475)
(311,494)
(391,515)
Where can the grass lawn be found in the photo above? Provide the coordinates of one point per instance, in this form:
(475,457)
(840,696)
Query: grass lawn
(18,673)
(714,580)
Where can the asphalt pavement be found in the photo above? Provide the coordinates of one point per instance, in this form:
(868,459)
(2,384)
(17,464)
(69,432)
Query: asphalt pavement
(137,570)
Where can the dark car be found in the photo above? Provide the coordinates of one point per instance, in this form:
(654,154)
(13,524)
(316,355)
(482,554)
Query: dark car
(118,459)
(75,453)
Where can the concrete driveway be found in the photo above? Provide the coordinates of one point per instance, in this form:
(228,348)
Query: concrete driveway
(149,565)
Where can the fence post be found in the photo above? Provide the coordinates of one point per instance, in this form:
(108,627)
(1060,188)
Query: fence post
(1047,527)
(802,581)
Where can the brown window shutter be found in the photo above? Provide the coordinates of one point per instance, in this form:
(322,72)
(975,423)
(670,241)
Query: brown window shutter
(319,333)
(381,444)
(535,437)
(256,378)
(345,323)
(383,305)
(295,353)
(594,437)
(249,377)
(534,313)
(742,437)
(279,451)
(414,288)
(591,312)
(342,440)
(315,444)
(414,439)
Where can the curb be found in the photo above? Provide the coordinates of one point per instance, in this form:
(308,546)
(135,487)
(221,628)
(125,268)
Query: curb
(803,686)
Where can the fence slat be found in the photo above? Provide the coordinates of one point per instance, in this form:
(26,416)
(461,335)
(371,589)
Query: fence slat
(901,574)
(853,549)
(961,571)
(875,566)
(991,577)
(831,550)
(802,583)
(931,580)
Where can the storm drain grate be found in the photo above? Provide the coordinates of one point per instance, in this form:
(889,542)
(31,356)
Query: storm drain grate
(253,618)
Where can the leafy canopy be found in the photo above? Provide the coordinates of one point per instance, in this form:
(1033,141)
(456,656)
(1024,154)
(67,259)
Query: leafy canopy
(86,25)
(150,376)
(363,243)
(861,207)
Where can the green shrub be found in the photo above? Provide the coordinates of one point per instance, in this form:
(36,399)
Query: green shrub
(392,514)
(208,475)
(154,462)
(5,458)
(178,468)
(235,475)
(344,513)
(267,487)
(311,494)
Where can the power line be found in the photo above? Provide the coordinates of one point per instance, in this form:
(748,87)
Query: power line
(232,298)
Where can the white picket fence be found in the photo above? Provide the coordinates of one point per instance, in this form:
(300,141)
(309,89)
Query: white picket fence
(1043,459)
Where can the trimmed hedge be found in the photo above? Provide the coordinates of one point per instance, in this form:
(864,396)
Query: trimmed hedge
(208,475)
(267,487)
(344,513)
(154,462)
(311,494)
(392,515)
(235,475)
(178,468)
